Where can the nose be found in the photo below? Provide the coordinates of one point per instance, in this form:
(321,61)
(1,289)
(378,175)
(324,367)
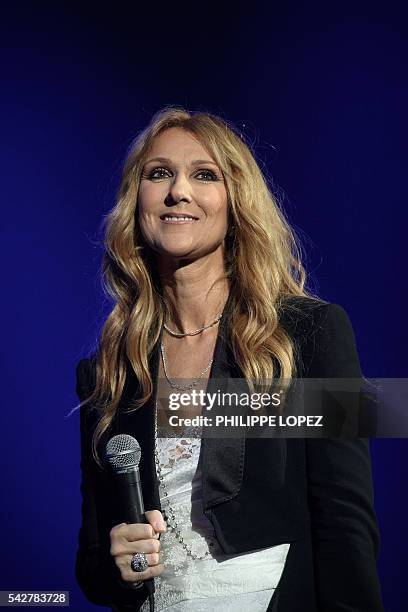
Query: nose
(179,190)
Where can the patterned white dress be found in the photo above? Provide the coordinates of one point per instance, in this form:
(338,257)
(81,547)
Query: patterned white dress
(225,583)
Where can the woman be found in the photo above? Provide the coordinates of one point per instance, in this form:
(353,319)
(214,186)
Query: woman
(208,284)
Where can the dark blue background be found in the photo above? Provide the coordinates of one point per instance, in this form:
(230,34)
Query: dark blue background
(322,91)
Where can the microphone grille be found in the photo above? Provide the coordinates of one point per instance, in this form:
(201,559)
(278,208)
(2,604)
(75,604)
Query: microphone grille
(123,452)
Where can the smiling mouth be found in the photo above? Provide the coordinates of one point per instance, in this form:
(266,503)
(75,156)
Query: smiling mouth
(178,219)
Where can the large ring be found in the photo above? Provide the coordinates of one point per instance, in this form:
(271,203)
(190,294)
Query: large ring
(139,562)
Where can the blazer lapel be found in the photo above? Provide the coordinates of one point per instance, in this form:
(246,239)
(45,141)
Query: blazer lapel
(221,459)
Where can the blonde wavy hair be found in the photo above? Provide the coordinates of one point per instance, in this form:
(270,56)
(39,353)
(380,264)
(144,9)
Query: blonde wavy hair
(262,264)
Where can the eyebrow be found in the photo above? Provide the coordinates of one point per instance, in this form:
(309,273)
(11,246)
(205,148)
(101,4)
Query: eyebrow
(195,162)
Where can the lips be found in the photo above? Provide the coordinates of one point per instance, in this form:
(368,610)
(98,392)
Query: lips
(178,219)
(178,216)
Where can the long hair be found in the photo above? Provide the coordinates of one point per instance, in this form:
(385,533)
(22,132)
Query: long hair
(262,264)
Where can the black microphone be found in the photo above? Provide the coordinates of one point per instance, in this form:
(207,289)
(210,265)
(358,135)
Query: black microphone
(123,454)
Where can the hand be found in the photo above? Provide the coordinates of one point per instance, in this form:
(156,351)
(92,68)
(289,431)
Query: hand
(128,539)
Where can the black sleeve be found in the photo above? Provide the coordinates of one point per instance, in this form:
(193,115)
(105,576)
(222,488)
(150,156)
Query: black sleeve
(95,569)
(344,527)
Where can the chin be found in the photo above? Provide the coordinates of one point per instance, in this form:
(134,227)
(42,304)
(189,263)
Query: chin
(180,255)
(177,249)
(174,254)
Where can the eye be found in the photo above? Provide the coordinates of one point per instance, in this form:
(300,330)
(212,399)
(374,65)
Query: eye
(162,173)
(209,173)
(157,173)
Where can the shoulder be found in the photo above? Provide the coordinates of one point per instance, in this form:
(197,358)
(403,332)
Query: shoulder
(300,315)
(322,335)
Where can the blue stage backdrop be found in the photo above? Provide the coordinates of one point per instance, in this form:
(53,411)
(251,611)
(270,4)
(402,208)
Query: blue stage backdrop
(321,92)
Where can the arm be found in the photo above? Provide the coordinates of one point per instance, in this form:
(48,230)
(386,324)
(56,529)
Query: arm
(95,569)
(343,523)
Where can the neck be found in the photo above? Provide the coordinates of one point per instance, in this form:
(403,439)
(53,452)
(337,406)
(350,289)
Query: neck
(195,291)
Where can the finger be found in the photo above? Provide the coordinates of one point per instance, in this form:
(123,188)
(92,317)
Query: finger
(143,546)
(156,520)
(122,534)
(124,563)
(130,548)
(151,572)
(138,531)
(152,558)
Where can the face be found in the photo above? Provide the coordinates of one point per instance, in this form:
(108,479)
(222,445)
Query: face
(182,201)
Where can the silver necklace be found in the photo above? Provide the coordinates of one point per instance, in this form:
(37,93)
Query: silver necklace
(170,514)
(193,333)
(174,385)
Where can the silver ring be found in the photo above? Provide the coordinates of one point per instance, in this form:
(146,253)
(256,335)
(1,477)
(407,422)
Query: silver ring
(139,562)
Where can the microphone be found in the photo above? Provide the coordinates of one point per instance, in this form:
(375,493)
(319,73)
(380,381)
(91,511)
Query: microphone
(123,454)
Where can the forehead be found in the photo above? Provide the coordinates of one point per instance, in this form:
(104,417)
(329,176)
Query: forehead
(177,144)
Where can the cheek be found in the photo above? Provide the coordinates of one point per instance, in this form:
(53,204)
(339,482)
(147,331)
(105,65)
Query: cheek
(149,197)
(215,204)
(146,207)
(147,225)
(144,213)
(219,214)
(145,218)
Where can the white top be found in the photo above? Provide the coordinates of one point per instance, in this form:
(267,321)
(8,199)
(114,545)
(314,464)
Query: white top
(222,582)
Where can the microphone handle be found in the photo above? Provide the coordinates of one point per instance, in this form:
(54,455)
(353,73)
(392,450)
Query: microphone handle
(130,491)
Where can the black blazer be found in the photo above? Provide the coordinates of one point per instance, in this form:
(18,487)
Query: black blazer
(315,494)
